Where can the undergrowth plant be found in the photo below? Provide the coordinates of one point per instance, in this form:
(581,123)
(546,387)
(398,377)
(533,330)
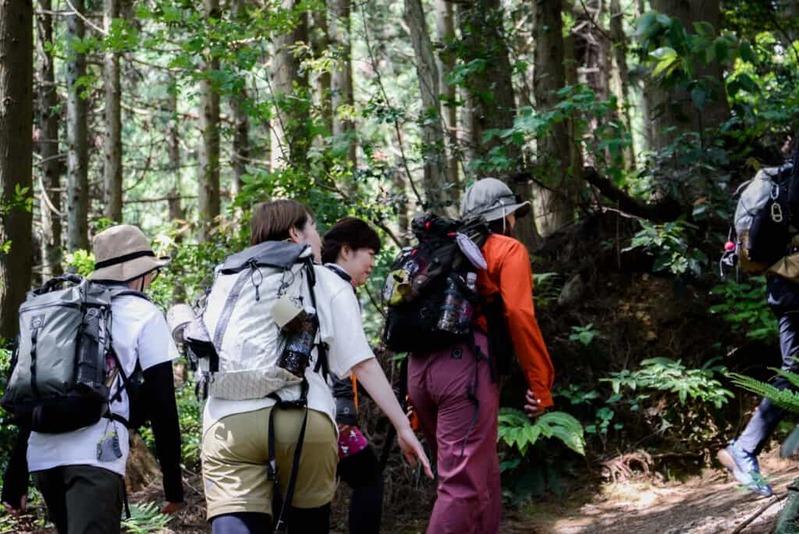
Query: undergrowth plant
(527,462)
(145,518)
(784,398)
(672,400)
(743,305)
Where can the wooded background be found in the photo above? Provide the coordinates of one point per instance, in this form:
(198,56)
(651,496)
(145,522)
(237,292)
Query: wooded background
(627,123)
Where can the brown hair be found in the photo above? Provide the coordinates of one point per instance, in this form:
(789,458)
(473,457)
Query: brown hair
(271,221)
(352,232)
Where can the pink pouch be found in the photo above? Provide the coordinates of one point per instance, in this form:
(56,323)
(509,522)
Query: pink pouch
(351,443)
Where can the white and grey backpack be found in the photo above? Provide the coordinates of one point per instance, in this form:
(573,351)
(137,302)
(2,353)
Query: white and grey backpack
(236,341)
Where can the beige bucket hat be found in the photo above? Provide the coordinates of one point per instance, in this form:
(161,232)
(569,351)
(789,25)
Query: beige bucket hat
(493,200)
(123,253)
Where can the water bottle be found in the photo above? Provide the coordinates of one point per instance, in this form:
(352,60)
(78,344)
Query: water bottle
(448,318)
(466,309)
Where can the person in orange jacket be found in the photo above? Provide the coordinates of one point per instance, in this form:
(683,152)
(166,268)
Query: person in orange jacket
(455,392)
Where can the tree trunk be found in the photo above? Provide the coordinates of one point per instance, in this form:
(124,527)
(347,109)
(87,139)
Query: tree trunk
(209,201)
(620,77)
(554,207)
(342,97)
(489,89)
(489,96)
(671,111)
(291,136)
(50,169)
(173,150)
(434,181)
(716,110)
(241,121)
(16,112)
(77,136)
(320,44)
(445,30)
(112,169)
(645,96)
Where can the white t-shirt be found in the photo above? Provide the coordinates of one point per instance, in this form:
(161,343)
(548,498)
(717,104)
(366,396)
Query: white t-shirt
(341,328)
(138,330)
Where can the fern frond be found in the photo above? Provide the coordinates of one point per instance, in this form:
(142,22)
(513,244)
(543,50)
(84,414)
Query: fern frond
(793,378)
(517,431)
(784,398)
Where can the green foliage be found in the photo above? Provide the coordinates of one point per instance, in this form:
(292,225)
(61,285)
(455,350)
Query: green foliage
(8,431)
(678,53)
(525,472)
(82,261)
(145,518)
(586,112)
(546,288)
(784,398)
(583,335)
(743,306)
(666,375)
(518,432)
(669,244)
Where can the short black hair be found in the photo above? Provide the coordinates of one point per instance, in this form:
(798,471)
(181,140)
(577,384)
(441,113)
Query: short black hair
(349,231)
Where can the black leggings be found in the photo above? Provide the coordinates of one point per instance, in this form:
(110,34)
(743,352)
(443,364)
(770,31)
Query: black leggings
(299,521)
(362,473)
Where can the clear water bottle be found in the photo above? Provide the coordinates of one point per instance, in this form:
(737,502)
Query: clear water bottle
(448,318)
(466,309)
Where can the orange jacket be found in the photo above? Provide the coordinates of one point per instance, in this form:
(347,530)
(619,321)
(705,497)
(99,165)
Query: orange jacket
(509,275)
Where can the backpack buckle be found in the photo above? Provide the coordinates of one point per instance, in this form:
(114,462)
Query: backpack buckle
(776,213)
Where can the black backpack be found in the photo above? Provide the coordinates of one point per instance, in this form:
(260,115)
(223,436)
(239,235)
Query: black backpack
(64,367)
(429,293)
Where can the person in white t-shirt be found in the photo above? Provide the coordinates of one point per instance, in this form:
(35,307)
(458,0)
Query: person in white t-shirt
(81,473)
(236,436)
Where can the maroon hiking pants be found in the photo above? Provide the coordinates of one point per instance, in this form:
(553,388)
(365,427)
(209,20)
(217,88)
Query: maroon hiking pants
(462,434)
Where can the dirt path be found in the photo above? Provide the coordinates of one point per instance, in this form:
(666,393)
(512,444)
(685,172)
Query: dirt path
(710,504)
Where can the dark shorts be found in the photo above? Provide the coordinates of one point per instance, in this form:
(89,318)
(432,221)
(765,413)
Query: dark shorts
(82,498)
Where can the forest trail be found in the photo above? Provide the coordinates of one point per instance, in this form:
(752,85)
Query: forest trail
(708,504)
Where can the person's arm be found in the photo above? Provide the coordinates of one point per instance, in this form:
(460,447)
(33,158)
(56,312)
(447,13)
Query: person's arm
(516,288)
(371,376)
(158,392)
(15,479)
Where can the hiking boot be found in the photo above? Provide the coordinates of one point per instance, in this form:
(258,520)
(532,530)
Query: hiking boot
(744,468)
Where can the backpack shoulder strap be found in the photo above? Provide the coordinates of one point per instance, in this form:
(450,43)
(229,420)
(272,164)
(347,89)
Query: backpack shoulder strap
(321,347)
(119,291)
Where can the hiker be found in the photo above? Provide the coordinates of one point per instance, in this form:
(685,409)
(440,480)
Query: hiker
(80,473)
(455,392)
(740,456)
(237,439)
(349,250)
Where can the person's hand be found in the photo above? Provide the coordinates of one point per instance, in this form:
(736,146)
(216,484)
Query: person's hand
(344,429)
(532,405)
(19,509)
(171,508)
(412,450)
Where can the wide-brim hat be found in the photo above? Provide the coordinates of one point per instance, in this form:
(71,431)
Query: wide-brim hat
(123,253)
(493,200)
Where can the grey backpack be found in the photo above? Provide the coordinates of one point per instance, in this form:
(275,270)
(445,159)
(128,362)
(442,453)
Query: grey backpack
(64,367)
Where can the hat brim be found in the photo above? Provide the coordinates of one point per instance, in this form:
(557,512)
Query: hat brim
(130,270)
(519,210)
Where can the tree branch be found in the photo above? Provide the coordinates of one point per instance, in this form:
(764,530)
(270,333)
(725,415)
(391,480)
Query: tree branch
(664,211)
